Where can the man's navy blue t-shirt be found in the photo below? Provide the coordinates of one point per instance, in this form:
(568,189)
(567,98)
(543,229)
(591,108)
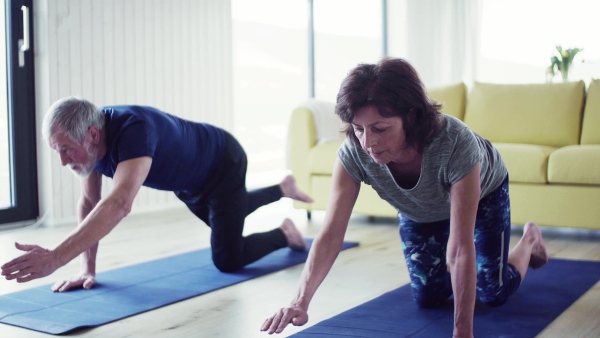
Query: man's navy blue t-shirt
(184,153)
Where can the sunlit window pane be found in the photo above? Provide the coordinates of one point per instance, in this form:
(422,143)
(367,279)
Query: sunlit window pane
(519,37)
(270,43)
(347,32)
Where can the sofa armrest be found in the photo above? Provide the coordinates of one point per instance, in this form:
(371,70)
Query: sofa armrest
(302,136)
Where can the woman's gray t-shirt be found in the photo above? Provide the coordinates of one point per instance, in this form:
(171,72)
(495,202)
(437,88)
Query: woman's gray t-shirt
(452,154)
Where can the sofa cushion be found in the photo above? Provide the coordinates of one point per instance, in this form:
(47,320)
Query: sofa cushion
(543,114)
(579,164)
(453,99)
(590,130)
(321,158)
(526,163)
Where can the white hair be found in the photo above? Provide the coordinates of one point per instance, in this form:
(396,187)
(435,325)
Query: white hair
(72,115)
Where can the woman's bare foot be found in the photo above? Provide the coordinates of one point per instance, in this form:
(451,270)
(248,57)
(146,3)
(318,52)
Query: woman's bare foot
(295,239)
(289,189)
(539,254)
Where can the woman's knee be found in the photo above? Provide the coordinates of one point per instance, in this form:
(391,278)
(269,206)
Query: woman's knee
(429,303)
(495,291)
(428,299)
(494,300)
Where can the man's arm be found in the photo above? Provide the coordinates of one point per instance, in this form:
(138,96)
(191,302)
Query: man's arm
(39,262)
(464,199)
(91,193)
(128,179)
(323,252)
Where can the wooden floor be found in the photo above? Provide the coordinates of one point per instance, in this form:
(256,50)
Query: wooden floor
(360,274)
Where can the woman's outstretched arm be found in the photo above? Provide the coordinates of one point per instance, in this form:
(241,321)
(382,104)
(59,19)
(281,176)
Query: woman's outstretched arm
(323,252)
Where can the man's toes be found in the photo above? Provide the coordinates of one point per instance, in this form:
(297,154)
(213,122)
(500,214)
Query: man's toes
(295,239)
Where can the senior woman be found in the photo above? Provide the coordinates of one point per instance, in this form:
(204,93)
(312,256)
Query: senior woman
(449,185)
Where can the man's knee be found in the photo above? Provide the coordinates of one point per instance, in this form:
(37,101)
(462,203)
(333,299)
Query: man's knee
(225,264)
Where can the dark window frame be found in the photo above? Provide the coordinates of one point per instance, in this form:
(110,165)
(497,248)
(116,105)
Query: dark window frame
(21,117)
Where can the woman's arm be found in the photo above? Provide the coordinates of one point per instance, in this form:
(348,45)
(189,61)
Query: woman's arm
(464,199)
(323,252)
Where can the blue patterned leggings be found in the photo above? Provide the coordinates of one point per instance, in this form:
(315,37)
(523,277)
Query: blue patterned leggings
(425,244)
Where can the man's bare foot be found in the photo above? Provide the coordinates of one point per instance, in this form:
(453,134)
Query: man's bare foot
(294,237)
(539,254)
(289,189)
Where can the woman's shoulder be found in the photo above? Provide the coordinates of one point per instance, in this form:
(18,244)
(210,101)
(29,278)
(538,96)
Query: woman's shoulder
(453,123)
(348,145)
(450,128)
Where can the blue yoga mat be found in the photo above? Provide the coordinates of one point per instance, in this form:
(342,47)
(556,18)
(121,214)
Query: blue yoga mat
(543,296)
(134,289)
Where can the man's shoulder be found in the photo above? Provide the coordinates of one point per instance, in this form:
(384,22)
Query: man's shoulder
(126,115)
(129,109)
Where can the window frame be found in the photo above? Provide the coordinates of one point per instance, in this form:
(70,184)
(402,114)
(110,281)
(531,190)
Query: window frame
(21,118)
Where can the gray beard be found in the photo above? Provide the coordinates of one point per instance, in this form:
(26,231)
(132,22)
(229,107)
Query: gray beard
(87,168)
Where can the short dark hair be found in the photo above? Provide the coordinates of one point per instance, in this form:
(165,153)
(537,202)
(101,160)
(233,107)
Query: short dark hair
(392,86)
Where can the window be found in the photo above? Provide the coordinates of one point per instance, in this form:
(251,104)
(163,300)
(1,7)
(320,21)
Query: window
(18,171)
(270,75)
(519,37)
(272,66)
(347,32)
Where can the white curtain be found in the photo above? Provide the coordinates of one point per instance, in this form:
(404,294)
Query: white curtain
(439,38)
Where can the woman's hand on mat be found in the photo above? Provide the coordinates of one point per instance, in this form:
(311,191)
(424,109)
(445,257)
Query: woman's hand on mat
(84,280)
(293,314)
(37,262)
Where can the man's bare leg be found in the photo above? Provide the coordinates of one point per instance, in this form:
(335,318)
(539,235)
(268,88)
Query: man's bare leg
(289,189)
(530,251)
(295,239)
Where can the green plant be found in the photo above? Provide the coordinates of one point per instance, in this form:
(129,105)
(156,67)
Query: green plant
(562,62)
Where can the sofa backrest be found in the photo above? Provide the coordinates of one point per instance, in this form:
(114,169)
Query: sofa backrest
(544,114)
(590,130)
(453,98)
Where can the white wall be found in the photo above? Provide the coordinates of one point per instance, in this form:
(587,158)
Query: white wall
(171,54)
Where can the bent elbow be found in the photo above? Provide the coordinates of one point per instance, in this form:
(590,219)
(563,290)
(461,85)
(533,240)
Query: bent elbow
(120,206)
(124,209)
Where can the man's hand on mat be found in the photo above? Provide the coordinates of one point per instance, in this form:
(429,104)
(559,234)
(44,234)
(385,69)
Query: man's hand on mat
(295,315)
(85,280)
(37,262)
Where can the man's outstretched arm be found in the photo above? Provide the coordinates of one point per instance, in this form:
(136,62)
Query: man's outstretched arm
(91,193)
(38,262)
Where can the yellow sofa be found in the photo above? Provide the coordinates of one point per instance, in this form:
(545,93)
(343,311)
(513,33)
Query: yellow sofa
(548,135)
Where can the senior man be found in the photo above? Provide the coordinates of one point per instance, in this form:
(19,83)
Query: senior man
(203,165)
